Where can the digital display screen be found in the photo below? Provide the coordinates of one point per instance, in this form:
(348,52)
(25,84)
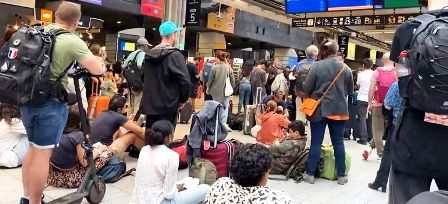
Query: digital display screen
(126,46)
(337,5)
(401,3)
(305,6)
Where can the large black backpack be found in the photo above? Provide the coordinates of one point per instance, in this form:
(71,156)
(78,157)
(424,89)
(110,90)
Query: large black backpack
(133,74)
(301,76)
(25,67)
(427,87)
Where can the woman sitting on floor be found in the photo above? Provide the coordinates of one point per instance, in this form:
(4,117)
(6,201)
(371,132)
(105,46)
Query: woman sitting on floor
(249,172)
(68,163)
(272,125)
(157,169)
(13,140)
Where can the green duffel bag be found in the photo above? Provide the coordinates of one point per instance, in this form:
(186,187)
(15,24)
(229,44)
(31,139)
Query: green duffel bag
(327,168)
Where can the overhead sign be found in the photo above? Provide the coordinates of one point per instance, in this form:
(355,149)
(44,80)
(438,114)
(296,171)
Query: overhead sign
(343,44)
(401,3)
(153,8)
(223,21)
(351,51)
(193,12)
(392,19)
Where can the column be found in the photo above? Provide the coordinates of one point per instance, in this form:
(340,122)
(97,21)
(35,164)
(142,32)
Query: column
(175,11)
(437,4)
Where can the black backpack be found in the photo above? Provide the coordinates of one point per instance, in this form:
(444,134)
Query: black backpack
(133,74)
(25,67)
(427,87)
(301,75)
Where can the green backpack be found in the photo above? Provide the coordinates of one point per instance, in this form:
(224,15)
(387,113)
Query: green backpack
(327,168)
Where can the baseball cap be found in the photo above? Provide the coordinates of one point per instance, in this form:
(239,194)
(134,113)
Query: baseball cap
(168,27)
(142,41)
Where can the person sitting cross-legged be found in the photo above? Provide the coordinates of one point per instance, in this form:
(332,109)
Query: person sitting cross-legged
(272,125)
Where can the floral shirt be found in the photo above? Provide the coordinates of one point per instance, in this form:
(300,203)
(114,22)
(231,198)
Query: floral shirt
(226,191)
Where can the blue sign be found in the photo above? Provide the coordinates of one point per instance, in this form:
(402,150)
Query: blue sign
(305,6)
(335,5)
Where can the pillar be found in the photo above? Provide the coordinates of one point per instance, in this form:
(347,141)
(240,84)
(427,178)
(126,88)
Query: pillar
(436,4)
(175,11)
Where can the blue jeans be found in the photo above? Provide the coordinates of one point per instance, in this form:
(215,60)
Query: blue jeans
(45,123)
(225,109)
(337,139)
(245,91)
(195,195)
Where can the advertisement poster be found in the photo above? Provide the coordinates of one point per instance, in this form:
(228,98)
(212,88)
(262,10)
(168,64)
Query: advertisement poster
(223,21)
(153,8)
(351,51)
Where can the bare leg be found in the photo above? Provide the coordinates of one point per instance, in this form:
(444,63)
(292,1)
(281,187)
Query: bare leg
(35,173)
(120,145)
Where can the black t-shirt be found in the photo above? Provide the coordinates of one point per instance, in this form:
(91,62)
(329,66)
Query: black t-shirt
(193,73)
(105,126)
(65,156)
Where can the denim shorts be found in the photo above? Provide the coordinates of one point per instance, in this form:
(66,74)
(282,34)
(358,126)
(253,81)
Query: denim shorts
(45,123)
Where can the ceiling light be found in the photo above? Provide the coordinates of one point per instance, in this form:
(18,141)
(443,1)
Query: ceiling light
(229,43)
(119,22)
(90,36)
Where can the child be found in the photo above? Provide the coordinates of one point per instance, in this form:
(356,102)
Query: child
(286,152)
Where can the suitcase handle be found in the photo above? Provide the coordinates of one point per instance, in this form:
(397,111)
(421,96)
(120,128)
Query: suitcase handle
(95,86)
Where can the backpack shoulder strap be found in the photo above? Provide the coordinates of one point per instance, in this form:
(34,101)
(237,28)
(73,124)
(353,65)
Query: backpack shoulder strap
(58,31)
(425,20)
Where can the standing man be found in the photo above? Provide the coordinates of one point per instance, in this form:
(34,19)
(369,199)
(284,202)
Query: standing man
(166,78)
(300,73)
(258,79)
(363,82)
(44,123)
(137,57)
(382,79)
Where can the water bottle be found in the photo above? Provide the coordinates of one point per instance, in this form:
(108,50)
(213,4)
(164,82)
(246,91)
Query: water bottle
(403,64)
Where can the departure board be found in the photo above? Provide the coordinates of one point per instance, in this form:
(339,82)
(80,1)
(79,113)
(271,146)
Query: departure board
(401,3)
(305,6)
(337,5)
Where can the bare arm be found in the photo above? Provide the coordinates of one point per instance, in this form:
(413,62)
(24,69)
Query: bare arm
(372,89)
(80,154)
(133,127)
(95,65)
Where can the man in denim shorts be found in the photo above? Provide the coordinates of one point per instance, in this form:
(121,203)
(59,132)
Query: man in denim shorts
(44,123)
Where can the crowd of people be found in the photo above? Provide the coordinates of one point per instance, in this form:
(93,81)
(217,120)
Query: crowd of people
(47,139)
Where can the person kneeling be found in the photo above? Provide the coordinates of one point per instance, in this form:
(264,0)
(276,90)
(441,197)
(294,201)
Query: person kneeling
(13,141)
(106,128)
(272,125)
(249,172)
(157,169)
(285,153)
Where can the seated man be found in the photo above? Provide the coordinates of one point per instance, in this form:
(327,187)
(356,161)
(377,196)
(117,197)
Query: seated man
(287,151)
(106,128)
(13,140)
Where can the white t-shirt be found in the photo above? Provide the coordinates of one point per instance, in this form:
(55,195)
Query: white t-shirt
(364,80)
(11,135)
(156,175)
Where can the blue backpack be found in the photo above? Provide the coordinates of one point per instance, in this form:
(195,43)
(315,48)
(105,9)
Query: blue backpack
(113,170)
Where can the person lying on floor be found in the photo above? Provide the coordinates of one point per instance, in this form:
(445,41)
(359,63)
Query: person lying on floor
(286,152)
(249,170)
(68,163)
(272,125)
(13,140)
(157,170)
(106,127)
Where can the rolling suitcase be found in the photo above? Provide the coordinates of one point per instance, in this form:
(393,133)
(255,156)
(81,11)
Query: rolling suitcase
(249,121)
(97,103)
(185,113)
(220,157)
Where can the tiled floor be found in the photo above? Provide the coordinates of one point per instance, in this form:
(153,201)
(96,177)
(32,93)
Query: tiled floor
(355,192)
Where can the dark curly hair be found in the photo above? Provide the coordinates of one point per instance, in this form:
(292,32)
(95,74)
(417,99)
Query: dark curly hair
(250,163)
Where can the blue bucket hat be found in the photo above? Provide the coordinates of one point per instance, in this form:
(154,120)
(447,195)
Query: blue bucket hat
(168,27)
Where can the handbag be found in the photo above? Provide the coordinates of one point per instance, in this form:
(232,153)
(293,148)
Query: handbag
(309,105)
(228,91)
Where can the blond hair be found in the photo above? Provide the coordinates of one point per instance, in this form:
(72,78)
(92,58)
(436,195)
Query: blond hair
(68,12)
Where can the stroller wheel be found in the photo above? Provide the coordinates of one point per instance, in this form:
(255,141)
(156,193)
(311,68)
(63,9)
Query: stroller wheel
(96,192)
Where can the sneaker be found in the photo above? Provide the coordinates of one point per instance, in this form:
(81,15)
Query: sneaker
(227,128)
(342,180)
(309,179)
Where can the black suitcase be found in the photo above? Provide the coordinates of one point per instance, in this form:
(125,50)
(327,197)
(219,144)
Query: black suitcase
(185,113)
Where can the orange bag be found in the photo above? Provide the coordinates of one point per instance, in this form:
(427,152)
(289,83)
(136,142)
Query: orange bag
(102,105)
(309,105)
(97,103)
